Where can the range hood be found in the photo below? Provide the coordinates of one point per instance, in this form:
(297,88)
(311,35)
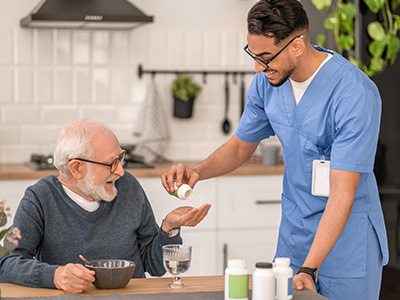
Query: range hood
(85,14)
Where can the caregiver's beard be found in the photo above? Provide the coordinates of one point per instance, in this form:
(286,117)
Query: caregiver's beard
(285,76)
(98,192)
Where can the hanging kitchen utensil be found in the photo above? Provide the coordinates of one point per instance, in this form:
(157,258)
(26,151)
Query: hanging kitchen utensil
(242,94)
(226,125)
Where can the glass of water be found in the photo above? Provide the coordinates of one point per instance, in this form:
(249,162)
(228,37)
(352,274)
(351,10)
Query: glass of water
(177,261)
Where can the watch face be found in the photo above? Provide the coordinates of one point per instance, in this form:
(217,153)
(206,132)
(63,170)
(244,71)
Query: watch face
(173,233)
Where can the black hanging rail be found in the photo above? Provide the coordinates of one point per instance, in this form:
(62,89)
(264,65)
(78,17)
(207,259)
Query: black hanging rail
(141,71)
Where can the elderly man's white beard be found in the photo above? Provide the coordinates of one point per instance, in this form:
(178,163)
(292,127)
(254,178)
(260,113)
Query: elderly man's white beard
(99,192)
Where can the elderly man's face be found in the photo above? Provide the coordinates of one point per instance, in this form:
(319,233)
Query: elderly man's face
(99,183)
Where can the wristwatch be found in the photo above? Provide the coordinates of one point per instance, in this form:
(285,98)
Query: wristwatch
(312,272)
(172,233)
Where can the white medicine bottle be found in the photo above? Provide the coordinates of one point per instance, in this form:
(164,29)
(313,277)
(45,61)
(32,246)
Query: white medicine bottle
(263,282)
(283,279)
(183,192)
(236,280)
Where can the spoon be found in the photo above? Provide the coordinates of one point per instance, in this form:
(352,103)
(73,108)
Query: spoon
(226,125)
(242,95)
(85,260)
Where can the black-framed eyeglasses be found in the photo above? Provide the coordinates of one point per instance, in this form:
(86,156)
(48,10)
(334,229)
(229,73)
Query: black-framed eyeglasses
(266,63)
(113,165)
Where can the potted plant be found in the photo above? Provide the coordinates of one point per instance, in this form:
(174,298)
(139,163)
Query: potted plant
(13,235)
(384,45)
(184,90)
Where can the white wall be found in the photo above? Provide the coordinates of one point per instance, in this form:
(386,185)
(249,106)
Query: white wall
(51,77)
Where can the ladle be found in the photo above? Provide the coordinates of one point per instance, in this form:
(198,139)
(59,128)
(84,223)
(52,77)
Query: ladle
(85,260)
(226,125)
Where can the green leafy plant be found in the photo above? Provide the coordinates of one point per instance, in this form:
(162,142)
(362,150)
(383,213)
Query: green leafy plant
(185,88)
(384,45)
(10,236)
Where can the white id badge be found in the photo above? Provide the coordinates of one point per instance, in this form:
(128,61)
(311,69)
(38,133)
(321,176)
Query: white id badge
(320,178)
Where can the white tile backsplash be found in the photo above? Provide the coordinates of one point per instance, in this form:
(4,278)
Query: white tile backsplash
(157,47)
(51,77)
(19,152)
(212,49)
(81,47)
(63,47)
(39,133)
(175,49)
(24,85)
(43,46)
(106,112)
(119,48)
(101,85)
(100,47)
(43,85)
(6,84)
(120,85)
(9,134)
(6,49)
(57,114)
(23,46)
(194,42)
(63,85)
(82,85)
(20,114)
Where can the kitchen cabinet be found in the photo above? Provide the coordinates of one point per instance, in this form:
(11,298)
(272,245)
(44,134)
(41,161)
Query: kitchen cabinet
(249,212)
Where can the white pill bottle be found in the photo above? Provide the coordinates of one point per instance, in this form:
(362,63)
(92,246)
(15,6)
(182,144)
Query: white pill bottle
(236,280)
(283,279)
(263,282)
(183,192)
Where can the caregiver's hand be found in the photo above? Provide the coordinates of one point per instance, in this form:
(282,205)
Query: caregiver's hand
(179,173)
(302,280)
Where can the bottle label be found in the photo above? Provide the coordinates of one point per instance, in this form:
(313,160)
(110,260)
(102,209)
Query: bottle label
(290,286)
(175,193)
(278,290)
(238,286)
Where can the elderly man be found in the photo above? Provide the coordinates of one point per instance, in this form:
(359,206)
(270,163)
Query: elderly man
(92,208)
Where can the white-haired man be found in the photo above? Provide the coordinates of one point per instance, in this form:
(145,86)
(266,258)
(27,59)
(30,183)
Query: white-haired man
(93,208)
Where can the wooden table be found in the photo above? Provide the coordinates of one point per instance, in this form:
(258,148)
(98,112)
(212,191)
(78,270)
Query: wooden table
(135,286)
(139,286)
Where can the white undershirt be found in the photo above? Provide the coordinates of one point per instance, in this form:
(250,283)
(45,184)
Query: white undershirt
(82,202)
(299,88)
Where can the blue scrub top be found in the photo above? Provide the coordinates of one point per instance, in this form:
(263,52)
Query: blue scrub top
(340,111)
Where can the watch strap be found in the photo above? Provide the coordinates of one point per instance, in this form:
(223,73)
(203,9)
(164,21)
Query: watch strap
(310,271)
(174,232)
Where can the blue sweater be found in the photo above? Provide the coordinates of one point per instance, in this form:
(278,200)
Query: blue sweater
(55,230)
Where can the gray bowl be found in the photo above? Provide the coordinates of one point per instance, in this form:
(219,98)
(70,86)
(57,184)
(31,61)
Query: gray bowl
(112,273)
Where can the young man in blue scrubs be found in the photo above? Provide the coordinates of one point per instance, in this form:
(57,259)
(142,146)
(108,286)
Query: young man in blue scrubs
(326,113)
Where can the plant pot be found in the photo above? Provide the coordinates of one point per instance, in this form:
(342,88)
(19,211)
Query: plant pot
(183,109)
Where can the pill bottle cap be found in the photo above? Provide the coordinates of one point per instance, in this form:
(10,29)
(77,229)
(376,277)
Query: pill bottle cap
(185,192)
(236,263)
(264,265)
(282,261)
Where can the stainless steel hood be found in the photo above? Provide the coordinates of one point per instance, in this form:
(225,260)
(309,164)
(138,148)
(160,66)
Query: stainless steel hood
(85,14)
